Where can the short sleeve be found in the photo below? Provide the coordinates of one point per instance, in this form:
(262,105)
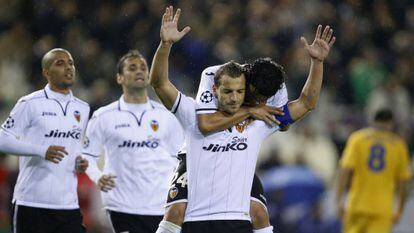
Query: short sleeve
(176,136)
(184,109)
(205,100)
(94,136)
(280,98)
(18,120)
(348,157)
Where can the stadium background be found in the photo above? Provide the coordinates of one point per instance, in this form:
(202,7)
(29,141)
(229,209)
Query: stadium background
(371,65)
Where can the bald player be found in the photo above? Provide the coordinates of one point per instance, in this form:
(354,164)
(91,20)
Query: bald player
(45,129)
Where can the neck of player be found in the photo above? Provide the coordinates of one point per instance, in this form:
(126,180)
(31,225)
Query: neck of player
(135,96)
(60,90)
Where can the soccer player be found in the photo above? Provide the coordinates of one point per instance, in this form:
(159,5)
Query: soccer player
(46,128)
(141,140)
(376,162)
(221,165)
(264,80)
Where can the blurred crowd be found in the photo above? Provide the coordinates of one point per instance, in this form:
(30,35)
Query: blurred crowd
(371,65)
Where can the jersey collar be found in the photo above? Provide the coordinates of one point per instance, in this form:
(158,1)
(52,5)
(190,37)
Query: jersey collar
(123,107)
(50,94)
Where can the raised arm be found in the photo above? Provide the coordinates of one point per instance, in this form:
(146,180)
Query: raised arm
(317,51)
(169,34)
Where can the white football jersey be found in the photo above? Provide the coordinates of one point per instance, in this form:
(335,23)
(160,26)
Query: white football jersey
(207,103)
(220,166)
(140,150)
(48,118)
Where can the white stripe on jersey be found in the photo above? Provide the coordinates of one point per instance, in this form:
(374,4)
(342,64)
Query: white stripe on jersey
(48,118)
(140,149)
(220,166)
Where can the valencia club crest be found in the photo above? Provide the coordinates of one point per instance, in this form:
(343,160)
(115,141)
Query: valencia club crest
(77,115)
(173,192)
(154,125)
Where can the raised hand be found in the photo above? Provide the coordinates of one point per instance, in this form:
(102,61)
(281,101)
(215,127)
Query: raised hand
(55,154)
(321,45)
(169,31)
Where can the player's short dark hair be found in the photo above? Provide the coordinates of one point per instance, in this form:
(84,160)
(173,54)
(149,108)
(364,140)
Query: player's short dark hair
(384,115)
(231,69)
(266,76)
(47,61)
(131,54)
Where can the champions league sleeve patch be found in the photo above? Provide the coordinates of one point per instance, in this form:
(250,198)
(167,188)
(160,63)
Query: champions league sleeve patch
(9,123)
(86,142)
(206,97)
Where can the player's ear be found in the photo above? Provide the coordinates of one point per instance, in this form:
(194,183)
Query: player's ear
(45,73)
(214,90)
(119,79)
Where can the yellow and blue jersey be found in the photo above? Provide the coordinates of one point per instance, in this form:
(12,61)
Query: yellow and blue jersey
(379,159)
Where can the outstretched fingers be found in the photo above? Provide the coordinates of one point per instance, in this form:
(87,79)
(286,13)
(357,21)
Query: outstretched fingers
(171,14)
(177,15)
(332,41)
(318,32)
(325,33)
(185,31)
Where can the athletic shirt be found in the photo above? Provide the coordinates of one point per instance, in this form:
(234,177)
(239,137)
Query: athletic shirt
(378,159)
(220,166)
(48,118)
(207,103)
(140,143)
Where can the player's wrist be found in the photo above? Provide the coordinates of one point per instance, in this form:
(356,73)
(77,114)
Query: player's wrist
(166,44)
(316,60)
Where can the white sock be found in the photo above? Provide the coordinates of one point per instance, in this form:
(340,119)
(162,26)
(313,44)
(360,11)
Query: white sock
(168,227)
(268,229)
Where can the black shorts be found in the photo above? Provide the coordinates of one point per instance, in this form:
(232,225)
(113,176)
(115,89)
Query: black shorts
(132,223)
(39,220)
(179,190)
(218,226)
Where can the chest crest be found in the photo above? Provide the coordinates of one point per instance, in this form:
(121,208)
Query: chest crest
(242,125)
(154,125)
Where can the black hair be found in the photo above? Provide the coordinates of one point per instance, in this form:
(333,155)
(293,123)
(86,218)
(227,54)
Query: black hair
(131,54)
(232,69)
(266,76)
(383,115)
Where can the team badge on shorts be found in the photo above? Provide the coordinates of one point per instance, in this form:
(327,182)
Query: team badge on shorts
(206,97)
(154,125)
(77,115)
(173,192)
